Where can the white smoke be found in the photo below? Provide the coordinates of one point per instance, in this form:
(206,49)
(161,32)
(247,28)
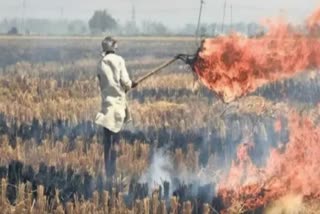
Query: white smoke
(159,170)
(162,169)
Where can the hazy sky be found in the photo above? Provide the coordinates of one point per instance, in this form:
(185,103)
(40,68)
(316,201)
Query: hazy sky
(171,12)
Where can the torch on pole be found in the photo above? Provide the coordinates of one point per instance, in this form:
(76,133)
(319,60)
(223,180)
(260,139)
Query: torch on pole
(188,59)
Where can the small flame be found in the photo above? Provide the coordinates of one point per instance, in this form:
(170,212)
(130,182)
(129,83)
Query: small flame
(313,21)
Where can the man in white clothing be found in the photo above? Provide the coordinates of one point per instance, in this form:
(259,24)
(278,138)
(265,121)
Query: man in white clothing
(114,82)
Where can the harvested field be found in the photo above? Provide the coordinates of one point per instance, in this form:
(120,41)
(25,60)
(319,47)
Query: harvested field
(174,156)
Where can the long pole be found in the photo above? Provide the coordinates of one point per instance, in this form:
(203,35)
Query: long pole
(22,27)
(156,70)
(224,15)
(199,18)
(231,18)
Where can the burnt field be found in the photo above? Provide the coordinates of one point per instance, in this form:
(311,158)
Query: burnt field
(185,151)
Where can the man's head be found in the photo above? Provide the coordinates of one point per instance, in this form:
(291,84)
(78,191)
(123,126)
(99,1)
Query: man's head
(109,45)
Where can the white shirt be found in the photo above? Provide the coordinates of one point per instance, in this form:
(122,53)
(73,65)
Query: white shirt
(114,80)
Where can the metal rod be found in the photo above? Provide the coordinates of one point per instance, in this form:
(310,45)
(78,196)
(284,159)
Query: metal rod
(231,18)
(224,14)
(199,20)
(156,70)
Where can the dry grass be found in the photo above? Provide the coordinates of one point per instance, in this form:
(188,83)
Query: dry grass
(293,204)
(41,90)
(169,81)
(132,159)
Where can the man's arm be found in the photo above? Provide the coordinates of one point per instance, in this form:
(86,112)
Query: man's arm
(124,76)
(98,72)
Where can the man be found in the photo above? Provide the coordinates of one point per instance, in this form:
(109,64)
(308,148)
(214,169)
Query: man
(114,83)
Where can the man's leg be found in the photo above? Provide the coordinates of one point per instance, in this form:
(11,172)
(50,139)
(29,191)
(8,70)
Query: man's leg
(110,152)
(107,141)
(113,154)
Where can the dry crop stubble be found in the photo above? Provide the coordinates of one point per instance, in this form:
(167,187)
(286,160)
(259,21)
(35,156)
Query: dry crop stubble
(65,89)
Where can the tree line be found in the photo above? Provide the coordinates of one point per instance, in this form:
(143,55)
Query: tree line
(102,22)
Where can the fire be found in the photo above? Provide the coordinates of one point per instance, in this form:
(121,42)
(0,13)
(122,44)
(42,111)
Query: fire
(313,21)
(234,66)
(294,170)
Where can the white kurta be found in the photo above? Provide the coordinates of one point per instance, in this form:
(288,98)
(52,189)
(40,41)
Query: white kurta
(114,81)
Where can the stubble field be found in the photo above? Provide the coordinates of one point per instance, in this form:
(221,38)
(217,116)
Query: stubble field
(172,157)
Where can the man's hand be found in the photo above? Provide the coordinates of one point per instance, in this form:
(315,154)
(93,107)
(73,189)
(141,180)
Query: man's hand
(134,84)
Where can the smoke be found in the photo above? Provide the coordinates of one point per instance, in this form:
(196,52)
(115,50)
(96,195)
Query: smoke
(183,182)
(159,170)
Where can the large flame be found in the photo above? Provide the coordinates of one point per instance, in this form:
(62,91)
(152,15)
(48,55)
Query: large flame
(234,65)
(290,170)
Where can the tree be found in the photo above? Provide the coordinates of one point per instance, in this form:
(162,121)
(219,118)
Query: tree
(131,29)
(77,27)
(13,31)
(154,28)
(102,21)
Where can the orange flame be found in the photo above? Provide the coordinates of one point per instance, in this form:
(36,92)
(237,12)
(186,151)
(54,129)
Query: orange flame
(292,171)
(234,66)
(313,21)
